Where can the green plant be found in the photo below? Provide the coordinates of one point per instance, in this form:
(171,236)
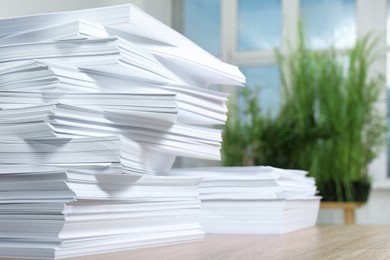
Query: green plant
(327,124)
(255,138)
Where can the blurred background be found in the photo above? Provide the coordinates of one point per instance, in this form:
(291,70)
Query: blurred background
(247,32)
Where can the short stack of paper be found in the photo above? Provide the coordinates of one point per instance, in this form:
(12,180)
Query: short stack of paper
(95,106)
(53,212)
(255,200)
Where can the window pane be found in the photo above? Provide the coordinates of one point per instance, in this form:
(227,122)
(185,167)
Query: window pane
(259,24)
(267,79)
(388,23)
(329,22)
(202,23)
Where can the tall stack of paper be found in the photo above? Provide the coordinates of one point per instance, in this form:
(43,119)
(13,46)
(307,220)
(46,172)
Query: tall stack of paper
(95,105)
(115,57)
(255,200)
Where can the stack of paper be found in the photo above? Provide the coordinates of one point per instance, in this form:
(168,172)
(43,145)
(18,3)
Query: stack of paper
(255,200)
(295,184)
(198,106)
(61,120)
(127,156)
(96,104)
(56,212)
(116,58)
(128,22)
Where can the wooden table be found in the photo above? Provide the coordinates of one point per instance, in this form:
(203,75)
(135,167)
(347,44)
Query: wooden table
(323,242)
(330,242)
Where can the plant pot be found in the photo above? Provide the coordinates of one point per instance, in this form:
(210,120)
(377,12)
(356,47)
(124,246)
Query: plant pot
(359,190)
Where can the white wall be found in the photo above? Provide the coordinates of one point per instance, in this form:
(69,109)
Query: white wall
(26,7)
(160,9)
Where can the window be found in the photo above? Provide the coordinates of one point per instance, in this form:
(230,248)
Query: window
(202,24)
(329,22)
(245,32)
(267,79)
(254,49)
(266,31)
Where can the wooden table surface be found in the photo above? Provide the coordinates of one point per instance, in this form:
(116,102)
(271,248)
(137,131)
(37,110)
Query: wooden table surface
(331,242)
(321,242)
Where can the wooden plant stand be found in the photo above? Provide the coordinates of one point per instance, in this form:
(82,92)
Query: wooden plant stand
(347,207)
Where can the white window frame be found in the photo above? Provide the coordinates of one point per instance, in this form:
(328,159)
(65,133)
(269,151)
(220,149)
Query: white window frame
(229,16)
